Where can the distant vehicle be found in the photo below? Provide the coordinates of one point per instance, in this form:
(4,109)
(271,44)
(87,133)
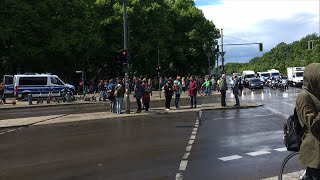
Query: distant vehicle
(229,81)
(264,76)
(274,73)
(246,75)
(255,83)
(39,85)
(295,76)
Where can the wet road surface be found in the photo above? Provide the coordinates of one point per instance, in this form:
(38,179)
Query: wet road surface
(229,144)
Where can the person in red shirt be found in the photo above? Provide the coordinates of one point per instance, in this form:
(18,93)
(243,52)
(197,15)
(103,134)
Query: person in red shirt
(193,87)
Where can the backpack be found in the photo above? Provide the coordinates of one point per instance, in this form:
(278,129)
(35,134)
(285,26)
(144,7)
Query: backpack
(110,93)
(175,87)
(293,132)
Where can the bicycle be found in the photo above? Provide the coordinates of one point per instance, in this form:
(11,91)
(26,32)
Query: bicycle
(290,168)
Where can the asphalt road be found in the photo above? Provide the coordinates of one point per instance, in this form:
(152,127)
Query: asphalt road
(227,144)
(126,148)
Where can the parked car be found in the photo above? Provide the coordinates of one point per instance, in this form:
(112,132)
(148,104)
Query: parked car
(255,83)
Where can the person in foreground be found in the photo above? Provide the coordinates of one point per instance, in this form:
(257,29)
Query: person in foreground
(308,108)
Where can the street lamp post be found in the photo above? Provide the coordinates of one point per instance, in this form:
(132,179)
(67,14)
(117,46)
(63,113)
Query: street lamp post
(159,76)
(125,47)
(222,54)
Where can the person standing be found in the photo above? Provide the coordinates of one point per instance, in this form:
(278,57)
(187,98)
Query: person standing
(111,97)
(177,87)
(146,91)
(168,92)
(2,95)
(183,83)
(236,85)
(308,111)
(138,93)
(223,89)
(193,89)
(119,94)
(206,85)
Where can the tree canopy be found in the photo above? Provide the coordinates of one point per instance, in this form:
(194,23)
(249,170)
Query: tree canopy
(62,37)
(284,55)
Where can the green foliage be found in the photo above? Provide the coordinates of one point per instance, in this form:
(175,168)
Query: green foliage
(282,56)
(64,36)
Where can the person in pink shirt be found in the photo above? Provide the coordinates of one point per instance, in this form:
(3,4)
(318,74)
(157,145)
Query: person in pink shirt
(193,87)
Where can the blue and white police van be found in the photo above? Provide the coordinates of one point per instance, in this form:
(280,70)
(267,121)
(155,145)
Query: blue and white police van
(39,85)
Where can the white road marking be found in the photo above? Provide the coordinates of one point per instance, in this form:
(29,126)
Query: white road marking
(188,149)
(276,111)
(194,132)
(186,155)
(11,130)
(191,142)
(257,153)
(195,129)
(196,125)
(292,105)
(183,165)
(229,158)
(193,137)
(281,149)
(223,118)
(262,115)
(179,176)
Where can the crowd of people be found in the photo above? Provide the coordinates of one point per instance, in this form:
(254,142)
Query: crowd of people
(141,88)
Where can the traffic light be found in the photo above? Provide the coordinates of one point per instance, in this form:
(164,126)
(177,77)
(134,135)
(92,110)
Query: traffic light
(260,47)
(310,45)
(121,56)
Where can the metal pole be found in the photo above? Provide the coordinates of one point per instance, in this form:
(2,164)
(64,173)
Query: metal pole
(82,74)
(222,60)
(209,65)
(159,72)
(125,46)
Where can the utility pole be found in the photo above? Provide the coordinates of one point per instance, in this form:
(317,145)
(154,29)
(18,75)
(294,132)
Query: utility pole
(125,47)
(222,57)
(159,76)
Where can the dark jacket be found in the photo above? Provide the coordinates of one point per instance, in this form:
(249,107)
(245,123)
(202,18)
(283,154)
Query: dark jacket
(138,91)
(308,109)
(223,85)
(168,89)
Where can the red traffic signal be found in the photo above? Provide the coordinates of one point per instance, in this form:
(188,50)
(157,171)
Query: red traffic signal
(123,53)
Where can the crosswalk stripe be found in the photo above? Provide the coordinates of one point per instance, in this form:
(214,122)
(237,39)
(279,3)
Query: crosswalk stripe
(228,158)
(281,149)
(257,153)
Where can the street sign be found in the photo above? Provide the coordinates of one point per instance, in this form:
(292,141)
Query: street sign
(222,53)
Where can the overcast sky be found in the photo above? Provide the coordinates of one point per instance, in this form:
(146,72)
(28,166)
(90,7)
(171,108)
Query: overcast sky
(268,21)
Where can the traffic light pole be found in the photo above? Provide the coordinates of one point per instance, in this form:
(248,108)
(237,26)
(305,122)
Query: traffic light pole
(125,46)
(159,72)
(222,57)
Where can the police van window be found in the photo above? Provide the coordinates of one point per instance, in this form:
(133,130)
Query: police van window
(32,81)
(56,81)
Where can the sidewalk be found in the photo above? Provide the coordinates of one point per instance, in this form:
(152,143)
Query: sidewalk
(155,98)
(63,118)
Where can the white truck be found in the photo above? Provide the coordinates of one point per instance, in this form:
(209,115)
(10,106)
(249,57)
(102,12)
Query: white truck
(274,73)
(295,76)
(246,75)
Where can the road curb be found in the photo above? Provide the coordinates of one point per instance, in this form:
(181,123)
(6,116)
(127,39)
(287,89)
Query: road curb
(153,111)
(231,107)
